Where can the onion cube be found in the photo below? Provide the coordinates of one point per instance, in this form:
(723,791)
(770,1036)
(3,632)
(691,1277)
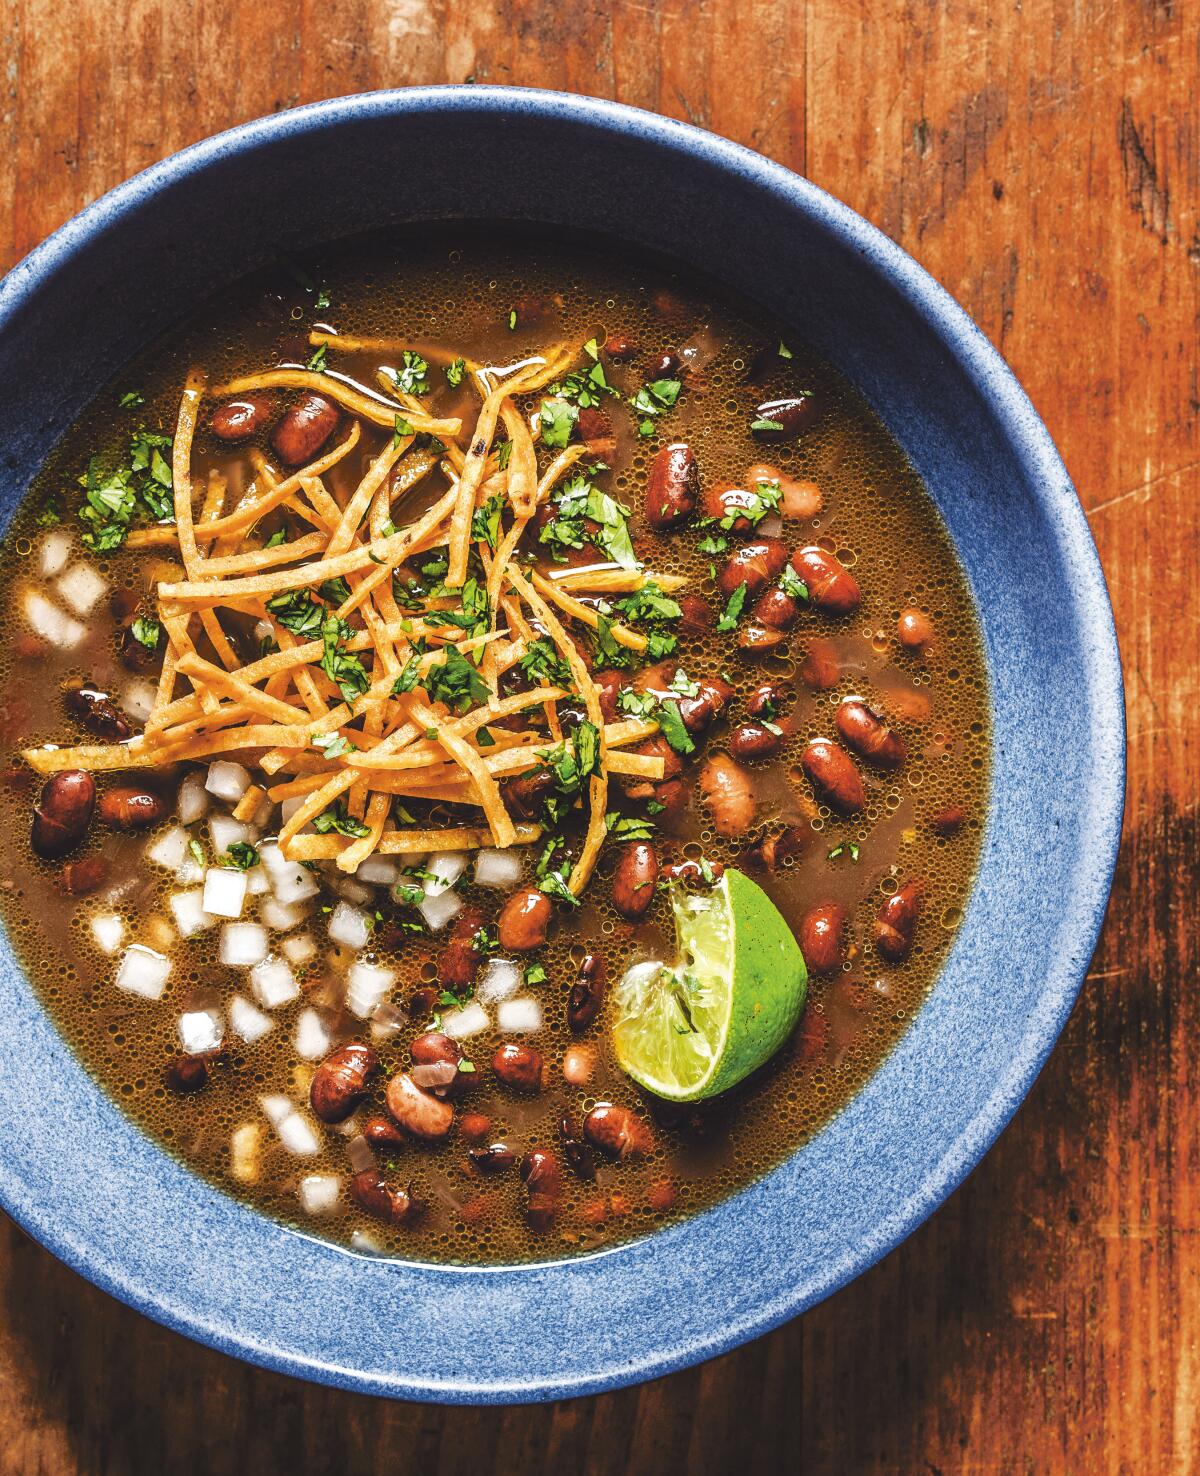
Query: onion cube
(280,916)
(472,1019)
(257,882)
(81,587)
(378,871)
(291,881)
(143,972)
(108,929)
(440,909)
(519,1015)
(247,1020)
(444,868)
(276,1108)
(273,983)
(200,1031)
(501,978)
(187,908)
(319,1193)
(56,550)
(297,1136)
(298,950)
(500,870)
(190,871)
(358,1154)
(243,945)
(349,927)
(366,986)
(243,1151)
(227,781)
(138,700)
(192,802)
(365,1244)
(51,623)
(224,831)
(169,849)
(352,891)
(224,891)
(312,1041)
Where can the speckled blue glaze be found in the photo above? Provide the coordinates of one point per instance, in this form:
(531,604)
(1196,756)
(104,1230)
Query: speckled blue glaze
(87,1184)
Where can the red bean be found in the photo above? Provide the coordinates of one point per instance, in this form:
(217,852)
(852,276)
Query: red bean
(821,668)
(79,878)
(383,1135)
(595,430)
(417,1111)
(821,936)
(461,956)
(799,500)
(493,1159)
(755,637)
(948,821)
(620,347)
(576,1149)
(525,794)
(524,920)
(519,1066)
(238,420)
(96,710)
(865,731)
(787,419)
(342,1081)
(896,922)
(616,1131)
(728,793)
(433,1048)
(304,429)
(832,774)
(587,993)
(776,851)
(127,808)
(731,505)
(752,741)
(914,630)
(186,1074)
(755,565)
(775,609)
(697,615)
(831,586)
(63,813)
(634,879)
(475,1126)
(673,486)
(768,700)
(383,1201)
(658,747)
(609,684)
(540,1172)
(700,711)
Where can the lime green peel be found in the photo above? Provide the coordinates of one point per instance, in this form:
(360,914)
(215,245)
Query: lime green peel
(694,1028)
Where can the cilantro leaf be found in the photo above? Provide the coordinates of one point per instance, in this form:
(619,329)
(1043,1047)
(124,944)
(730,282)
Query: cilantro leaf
(241,855)
(733,609)
(346,671)
(673,730)
(649,603)
(456,682)
(791,584)
(146,632)
(485,525)
(297,611)
(412,378)
(558,419)
(336,818)
(455,373)
(543,666)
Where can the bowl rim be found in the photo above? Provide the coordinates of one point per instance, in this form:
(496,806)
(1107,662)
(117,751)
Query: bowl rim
(1100,669)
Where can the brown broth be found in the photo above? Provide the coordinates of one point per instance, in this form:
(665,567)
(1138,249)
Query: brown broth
(453,290)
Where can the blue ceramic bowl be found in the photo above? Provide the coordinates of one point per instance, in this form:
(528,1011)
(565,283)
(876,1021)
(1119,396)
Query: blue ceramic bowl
(86,1183)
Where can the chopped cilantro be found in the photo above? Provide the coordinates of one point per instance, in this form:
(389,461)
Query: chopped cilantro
(512,320)
(733,609)
(535,974)
(147,632)
(671,725)
(558,419)
(503,455)
(336,818)
(581,499)
(402,429)
(131,399)
(653,400)
(682,684)
(840,850)
(485,525)
(407,679)
(783,351)
(455,372)
(711,544)
(241,855)
(628,827)
(333,745)
(297,611)
(761,499)
(791,584)
(346,671)
(50,513)
(542,664)
(197,852)
(412,378)
(279,536)
(334,591)
(554,884)
(766,425)
(586,387)
(317,361)
(456,682)
(649,603)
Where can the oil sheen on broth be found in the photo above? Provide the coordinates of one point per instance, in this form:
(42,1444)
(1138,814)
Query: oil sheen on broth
(496,301)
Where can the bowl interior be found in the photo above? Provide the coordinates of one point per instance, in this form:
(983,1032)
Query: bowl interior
(135,1221)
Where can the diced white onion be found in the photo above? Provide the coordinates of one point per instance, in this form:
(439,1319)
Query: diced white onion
(288,807)
(200,1031)
(440,909)
(143,972)
(312,1041)
(519,1015)
(108,929)
(276,1107)
(192,803)
(224,831)
(280,916)
(365,1244)
(366,985)
(51,623)
(297,1136)
(319,1193)
(243,1151)
(358,1154)
(247,1020)
(349,927)
(387,1020)
(498,869)
(56,550)
(243,945)
(190,871)
(298,950)
(169,848)
(273,983)
(81,587)
(501,978)
(444,868)
(224,891)
(770,527)
(257,882)
(291,881)
(472,1019)
(138,700)
(187,908)
(432,1074)
(227,781)
(378,871)
(353,891)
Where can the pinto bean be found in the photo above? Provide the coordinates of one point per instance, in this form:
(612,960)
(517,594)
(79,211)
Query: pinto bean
(691,873)
(127,808)
(595,429)
(821,930)
(728,793)
(418,1112)
(79,878)
(576,1150)
(621,348)
(383,1135)
(673,486)
(658,747)
(947,821)
(475,1126)
(616,1131)
(696,616)
(383,1201)
(700,711)
(341,1081)
(238,420)
(789,418)
(896,922)
(540,1172)
(775,609)
(587,993)
(797,499)
(96,710)
(608,688)
(524,920)
(186,1074)
(831,586)
(866,732)
(821,668)
(778,850)
(832,774)
(134,655)
(525,794)
(754,638)
(63,813)
(768,700)
(460,958)
(914,631)
(433,1047)
(752,741)
(672,795)
(634,880)
(304,429)
(755,565)
(519,1066)
(493,1159)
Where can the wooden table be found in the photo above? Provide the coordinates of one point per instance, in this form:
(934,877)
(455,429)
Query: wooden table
(1043,161)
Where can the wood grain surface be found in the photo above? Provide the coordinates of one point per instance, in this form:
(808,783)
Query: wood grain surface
(1042,159)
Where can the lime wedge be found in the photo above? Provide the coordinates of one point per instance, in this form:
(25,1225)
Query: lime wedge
(694,1028)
